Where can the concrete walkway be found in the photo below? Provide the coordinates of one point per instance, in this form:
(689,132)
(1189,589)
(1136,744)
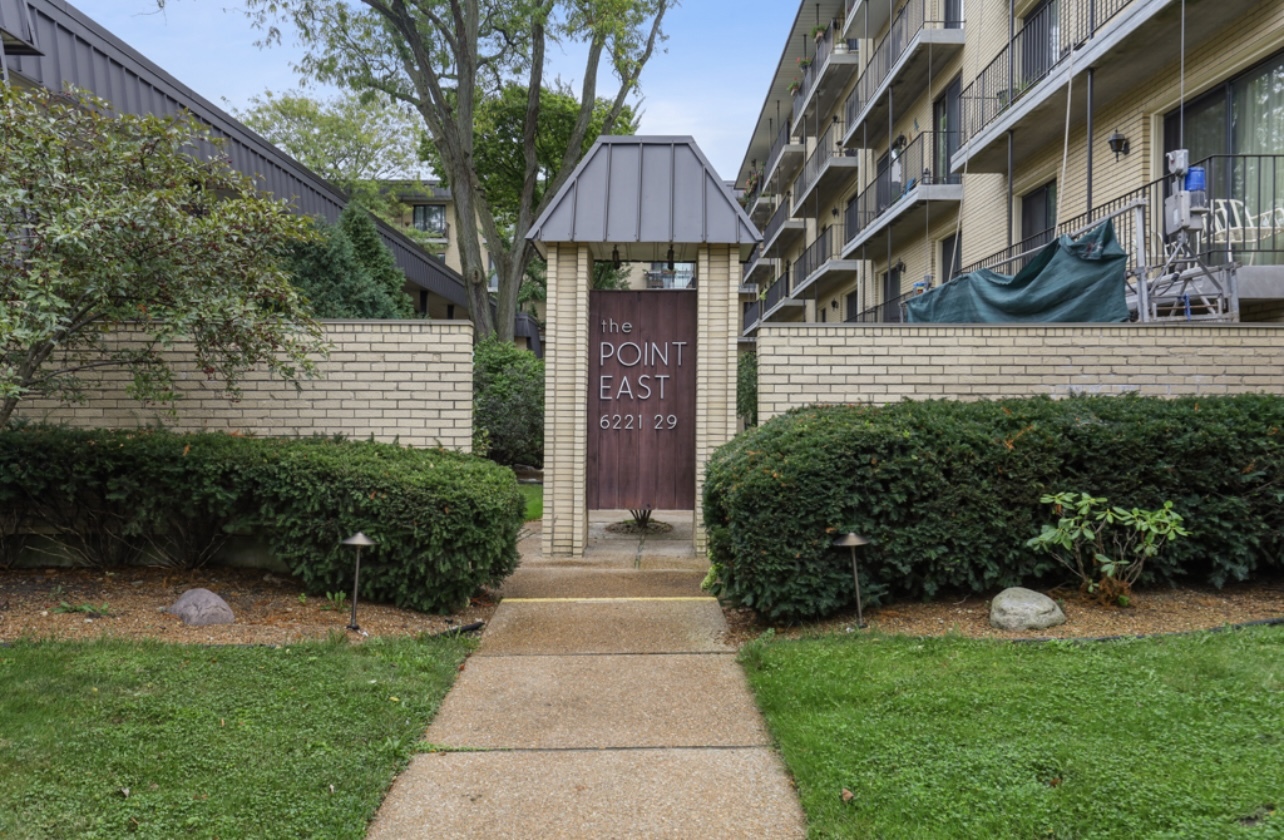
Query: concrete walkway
(601,703)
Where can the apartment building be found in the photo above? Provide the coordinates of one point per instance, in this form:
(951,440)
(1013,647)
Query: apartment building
(903,142)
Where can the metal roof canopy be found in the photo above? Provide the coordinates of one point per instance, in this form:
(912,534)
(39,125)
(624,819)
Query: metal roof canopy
(643,195)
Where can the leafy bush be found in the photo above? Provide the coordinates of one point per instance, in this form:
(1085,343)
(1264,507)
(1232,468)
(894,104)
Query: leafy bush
(345,279)
(373,255)
(508,402)
(445,523)
(949,493)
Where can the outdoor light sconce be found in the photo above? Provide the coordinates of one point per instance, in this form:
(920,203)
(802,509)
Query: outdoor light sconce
(834,212)
(899,268)
(615,257)
(833,304)
(670,258)
(1118,144)
(357,541)
(853,541)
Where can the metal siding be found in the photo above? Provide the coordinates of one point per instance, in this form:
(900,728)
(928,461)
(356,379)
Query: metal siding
(621,204)
(657,193)
(80,53)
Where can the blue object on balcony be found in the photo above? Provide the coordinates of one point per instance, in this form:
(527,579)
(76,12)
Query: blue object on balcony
(1195,179)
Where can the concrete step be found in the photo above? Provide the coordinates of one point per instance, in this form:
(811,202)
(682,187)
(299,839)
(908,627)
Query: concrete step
(549,627)
(561,582)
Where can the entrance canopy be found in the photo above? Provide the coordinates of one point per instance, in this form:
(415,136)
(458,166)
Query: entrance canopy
(641,196)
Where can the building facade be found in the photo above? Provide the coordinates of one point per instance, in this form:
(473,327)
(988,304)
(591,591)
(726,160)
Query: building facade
(903,142)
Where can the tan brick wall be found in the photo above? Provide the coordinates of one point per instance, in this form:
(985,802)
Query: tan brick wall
(407,381)
(801,365)
(716,363)
(566,401)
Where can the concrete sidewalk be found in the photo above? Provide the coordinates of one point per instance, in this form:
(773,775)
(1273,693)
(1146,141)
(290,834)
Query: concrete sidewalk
(601,703)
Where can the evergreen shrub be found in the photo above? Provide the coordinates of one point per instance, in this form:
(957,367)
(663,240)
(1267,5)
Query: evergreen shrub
(508,402)
(445,523)
(949,493)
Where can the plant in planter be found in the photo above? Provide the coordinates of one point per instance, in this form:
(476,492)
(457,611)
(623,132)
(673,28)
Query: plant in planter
(804,63)
(1106,547)
(818,31)
(794,87)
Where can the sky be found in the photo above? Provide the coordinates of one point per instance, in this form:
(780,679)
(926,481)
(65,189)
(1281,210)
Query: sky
(709,83)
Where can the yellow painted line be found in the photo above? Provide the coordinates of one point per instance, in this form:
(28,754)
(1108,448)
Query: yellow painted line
(597,600)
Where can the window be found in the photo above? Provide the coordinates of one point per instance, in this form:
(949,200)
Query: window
(945,119)
(1242,116)
(1039,215)
(430,218)
(853,305)
(951,256)
(891,296)
(1040,38)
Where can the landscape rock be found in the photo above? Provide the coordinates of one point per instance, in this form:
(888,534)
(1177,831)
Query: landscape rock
(199,607)
(1024,609)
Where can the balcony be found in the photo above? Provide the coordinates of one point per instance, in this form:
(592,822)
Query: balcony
(783,160)
(828,171)
(1244,226)
(924,37)
(888,312)
(778,303)
(865,18)
(834,64)
(821,268)
(749,321)
(915,184)
(756,270)
(1023,88)
(781,232)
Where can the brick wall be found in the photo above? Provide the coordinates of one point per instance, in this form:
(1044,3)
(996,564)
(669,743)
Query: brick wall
(396,380)
(804,364)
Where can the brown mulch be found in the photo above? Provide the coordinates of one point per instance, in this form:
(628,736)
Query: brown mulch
(267,606)
(1153,611)
(631,528)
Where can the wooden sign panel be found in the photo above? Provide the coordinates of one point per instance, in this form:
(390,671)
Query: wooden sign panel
(642,399)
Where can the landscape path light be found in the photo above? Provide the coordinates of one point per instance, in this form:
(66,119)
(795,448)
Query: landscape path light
(357,541)
(852,541)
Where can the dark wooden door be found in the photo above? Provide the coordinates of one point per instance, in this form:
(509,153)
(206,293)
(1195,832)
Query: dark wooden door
(642,389)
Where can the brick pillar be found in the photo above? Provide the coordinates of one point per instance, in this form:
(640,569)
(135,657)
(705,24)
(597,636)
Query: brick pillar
(566,400)
(716,358)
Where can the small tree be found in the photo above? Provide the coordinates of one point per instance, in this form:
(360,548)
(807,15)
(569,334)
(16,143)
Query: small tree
(747,388)
(508,402)
(377,260)
(111,220)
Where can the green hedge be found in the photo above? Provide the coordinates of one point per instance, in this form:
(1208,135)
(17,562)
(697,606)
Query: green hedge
(949,492)
(445,523)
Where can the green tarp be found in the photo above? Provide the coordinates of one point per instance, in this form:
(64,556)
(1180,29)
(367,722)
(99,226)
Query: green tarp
(1069,281)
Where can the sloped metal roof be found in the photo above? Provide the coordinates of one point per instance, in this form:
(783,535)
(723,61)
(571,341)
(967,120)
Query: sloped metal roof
(643,195)
(17,35)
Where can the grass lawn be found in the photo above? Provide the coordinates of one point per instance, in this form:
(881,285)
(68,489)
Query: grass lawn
(1170,737)
(126,739)
(534,494)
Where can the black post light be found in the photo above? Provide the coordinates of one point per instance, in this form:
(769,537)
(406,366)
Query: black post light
(357,541)
(852,541)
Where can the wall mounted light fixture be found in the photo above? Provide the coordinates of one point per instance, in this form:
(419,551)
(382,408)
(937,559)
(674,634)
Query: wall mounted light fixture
(670,258)
(1118,144)
(615,257)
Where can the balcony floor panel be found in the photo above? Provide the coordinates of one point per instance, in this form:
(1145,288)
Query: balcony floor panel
(832,275)
(788,309)
(835,177)
(838,72)
(784,238)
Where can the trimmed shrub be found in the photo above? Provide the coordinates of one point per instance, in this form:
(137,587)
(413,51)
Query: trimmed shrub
(445,523)
(508,402)
(949,493)
(747,388)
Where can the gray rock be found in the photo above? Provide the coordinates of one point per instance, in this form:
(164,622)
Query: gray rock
(1024,609)
(199,607)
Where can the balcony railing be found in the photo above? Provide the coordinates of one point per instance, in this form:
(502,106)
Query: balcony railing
(752,312)
(777,148)
(777,292)
(828,147)
(924,161)
(1042,43)
(888,312)
(916,16)
(754,256)
(1245,220)
(777,221)
(816,68)
(824,249)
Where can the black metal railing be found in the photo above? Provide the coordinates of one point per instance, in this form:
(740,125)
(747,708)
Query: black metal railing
(752,312)
(815,67)
(1043,42)
(822,250)
(828,147)
(752,262)
(776,292)
(1243,222)
(888,312)
(924,161)
(777,148)
(916,16)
